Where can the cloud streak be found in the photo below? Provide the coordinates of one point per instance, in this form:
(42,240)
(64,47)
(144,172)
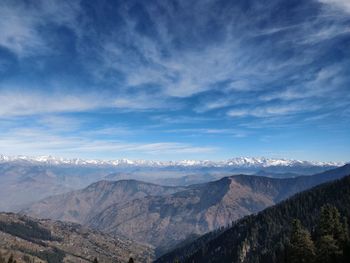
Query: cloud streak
(21,103)
(42,142)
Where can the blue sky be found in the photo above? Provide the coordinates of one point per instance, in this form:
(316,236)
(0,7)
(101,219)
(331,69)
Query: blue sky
(174,79)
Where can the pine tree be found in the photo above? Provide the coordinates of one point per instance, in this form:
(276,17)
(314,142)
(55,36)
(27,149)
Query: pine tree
(301,249)
(10,259)
(346,247)
(131,260)
(331,236)
(95,260)
(2,260)
(346,229)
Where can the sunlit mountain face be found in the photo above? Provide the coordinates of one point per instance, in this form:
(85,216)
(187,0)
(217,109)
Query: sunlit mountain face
(175,80)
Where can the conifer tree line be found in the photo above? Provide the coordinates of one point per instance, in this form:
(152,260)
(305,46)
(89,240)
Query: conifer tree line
(274,236)
(329,242)
(131,260)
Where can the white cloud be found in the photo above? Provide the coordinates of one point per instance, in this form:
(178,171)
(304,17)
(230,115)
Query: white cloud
(323,84)
(18,32)
(273,110)
(59,123)
(21,103)
(20,23)
(340,4)
(37,141)
(143,101)
(183,74)
(208,105)
(238,133)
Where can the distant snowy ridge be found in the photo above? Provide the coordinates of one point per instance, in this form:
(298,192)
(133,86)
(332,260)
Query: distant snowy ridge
(238,162)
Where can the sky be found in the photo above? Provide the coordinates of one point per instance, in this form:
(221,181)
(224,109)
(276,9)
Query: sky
(175,79)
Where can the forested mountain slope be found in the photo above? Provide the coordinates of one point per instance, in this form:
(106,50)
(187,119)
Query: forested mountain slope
(264,237)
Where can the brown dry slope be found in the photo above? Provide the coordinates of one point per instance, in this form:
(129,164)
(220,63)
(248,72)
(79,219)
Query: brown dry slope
(165,220)
(54,241)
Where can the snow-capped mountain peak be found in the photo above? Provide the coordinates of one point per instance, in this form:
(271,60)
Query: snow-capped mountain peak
(234,162)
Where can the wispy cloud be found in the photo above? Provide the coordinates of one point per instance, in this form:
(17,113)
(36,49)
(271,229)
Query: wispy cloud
(238,133)
(343,5)
(164,63)
(41,142)
(20,103)
(271,111)
(21,22)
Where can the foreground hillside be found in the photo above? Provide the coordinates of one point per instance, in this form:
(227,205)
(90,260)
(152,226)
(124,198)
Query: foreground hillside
(50,241)
(265,236)
(165,216)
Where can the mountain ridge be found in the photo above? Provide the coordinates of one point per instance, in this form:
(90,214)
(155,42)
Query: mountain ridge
(79,205)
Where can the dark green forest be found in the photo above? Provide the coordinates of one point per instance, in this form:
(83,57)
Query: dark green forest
(311,226)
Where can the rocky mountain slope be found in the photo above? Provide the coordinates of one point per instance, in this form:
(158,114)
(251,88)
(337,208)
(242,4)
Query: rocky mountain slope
(81,205)
(30,239)
(263,238)
(165,220)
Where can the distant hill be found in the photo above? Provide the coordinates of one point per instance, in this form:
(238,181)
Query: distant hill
(262,238)
(23,183)
(55,242)
(81,205)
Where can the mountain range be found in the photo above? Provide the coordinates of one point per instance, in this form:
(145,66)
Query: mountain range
(238,162)
(29,179)
(164,216)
